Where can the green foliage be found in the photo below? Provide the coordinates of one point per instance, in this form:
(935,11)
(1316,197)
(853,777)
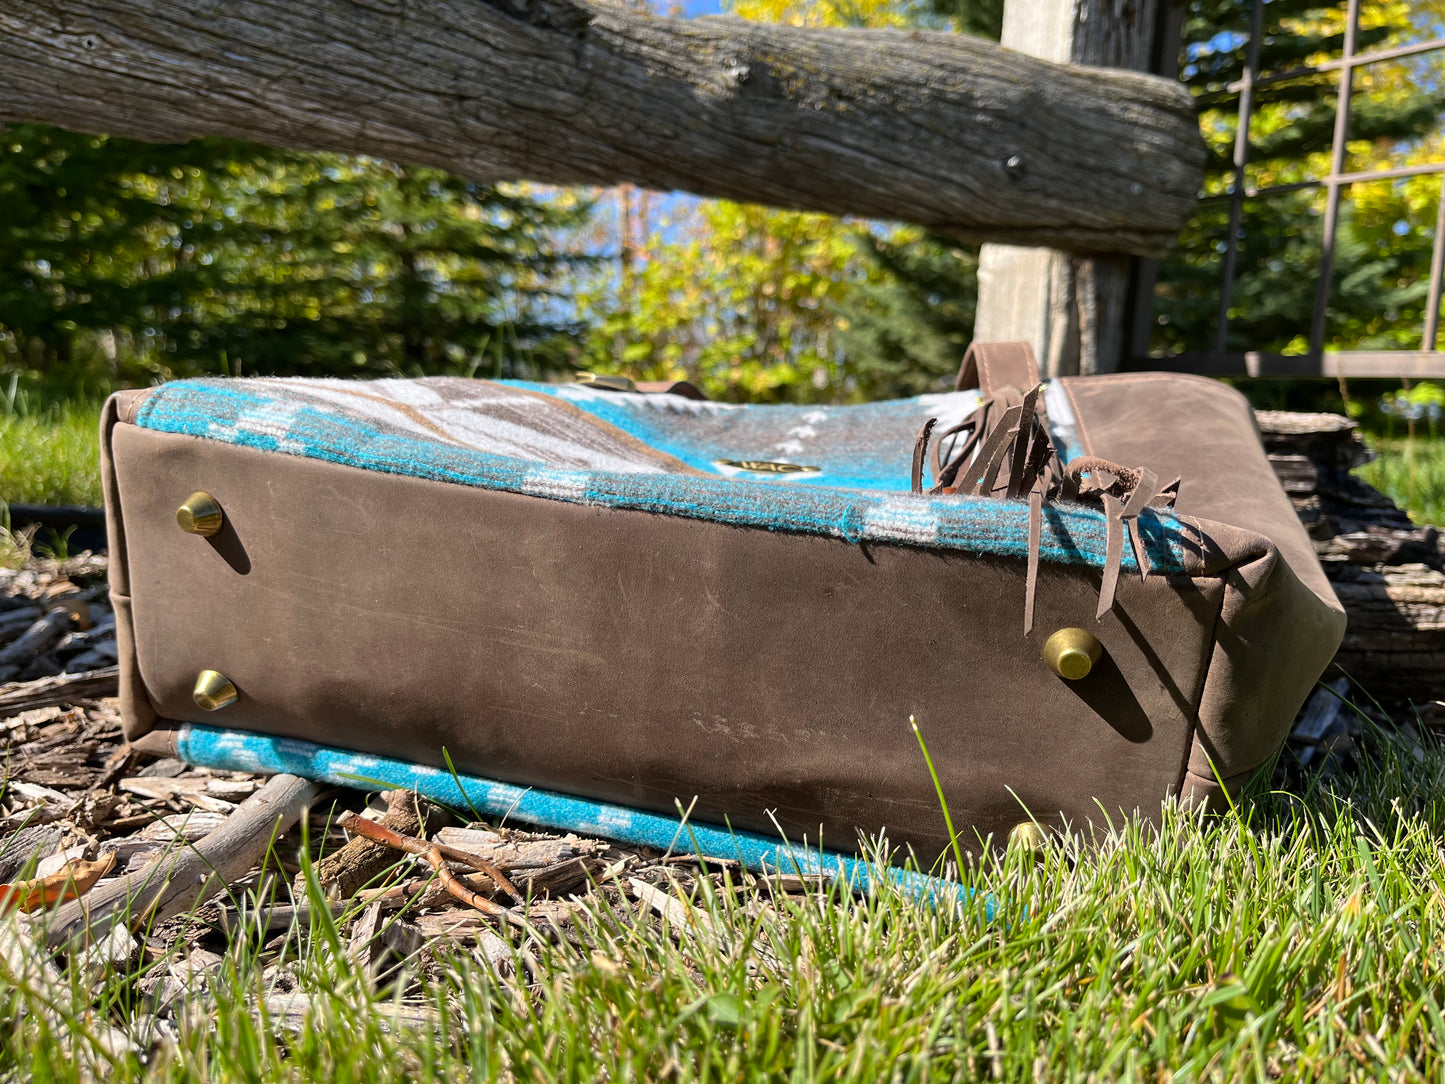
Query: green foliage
(122,262)
(765,305)
(734,297)
(50,454)
(979,18)
(1409,446)
(1382,255)
(16,546)
(904,329)
(1411,472)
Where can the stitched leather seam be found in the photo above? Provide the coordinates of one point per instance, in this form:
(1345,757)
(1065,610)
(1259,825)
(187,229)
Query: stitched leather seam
(119,552)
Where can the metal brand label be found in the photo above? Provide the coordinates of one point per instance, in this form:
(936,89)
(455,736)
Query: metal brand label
(767,466)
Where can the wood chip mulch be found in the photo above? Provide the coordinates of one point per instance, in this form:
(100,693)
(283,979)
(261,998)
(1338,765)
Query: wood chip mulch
(74,794)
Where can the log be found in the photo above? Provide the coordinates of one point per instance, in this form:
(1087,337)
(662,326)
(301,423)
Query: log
(40,637)
(51,691)
(950,132)
(189,875)
(1388,572)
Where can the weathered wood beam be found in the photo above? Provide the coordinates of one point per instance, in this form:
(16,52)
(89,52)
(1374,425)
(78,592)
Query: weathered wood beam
(950,132)
(1071,305)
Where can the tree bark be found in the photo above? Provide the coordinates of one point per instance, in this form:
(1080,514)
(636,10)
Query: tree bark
(954,133)
(1388,572)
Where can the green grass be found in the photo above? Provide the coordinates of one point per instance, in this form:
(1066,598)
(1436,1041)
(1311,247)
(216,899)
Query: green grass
(1411,471)
(1295,937)
(50,454)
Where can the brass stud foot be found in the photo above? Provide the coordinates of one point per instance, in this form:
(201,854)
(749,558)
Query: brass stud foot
(1027,837)
(1072,653)
(201,514)
(213,691)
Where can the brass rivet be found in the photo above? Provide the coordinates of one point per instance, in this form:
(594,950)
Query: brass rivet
(1072,653)
(213,691)
(201,515)
(1028,836)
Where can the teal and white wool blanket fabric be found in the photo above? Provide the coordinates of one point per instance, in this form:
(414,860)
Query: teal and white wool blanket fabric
(837,471)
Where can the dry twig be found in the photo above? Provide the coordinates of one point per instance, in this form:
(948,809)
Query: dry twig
(379,833)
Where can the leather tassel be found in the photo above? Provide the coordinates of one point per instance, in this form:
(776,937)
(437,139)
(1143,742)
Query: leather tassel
(1031,579)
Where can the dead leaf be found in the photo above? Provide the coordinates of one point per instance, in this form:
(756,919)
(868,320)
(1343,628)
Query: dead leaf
(71,881)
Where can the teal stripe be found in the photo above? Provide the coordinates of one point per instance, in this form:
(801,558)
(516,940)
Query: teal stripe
(241,751)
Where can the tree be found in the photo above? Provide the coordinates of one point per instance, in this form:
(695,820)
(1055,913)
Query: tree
(734,297)
(763,304)
(86,250)
(1381,268)
(905,328)
(365,268)
(127,262)
(904,323)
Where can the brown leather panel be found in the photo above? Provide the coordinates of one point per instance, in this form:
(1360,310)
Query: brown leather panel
(115,536)
(1202,431)
(642,658)
(135,708)
(1204,789)
(1274,639)
(1280,623)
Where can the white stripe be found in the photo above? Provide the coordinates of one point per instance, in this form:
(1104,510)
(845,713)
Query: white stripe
(559,485)
(902,521)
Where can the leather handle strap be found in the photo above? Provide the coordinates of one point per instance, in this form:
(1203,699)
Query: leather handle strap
(670,387)
(992,366)
(610,382)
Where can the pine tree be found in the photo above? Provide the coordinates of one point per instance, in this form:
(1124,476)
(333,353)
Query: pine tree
(904,330)
(87,252)
(126,262)
(371,268)
(1382,250)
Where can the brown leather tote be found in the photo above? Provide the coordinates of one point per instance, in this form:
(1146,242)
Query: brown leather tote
(1091,595)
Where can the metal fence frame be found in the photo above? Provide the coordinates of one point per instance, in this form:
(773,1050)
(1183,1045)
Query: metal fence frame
(1426,361)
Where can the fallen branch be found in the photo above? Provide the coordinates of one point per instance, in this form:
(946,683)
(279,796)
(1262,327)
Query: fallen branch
(342,872)
(460,891)
(40,637)
(187,877)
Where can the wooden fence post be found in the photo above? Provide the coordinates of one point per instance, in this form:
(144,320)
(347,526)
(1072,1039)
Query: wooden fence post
(1073,307)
